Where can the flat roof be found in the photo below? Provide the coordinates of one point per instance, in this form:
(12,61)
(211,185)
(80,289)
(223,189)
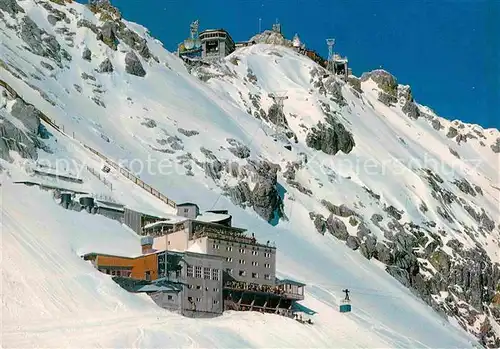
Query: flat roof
(188,253)
(170,219)
(156,288)
(214,30)
(187,204)
(216,225)
(289,282)
(212,217)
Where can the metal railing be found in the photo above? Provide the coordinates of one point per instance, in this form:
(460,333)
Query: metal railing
(98,176)
(130,176)
(122,171)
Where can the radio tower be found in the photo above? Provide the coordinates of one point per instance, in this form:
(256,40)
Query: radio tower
(279,98)
(330,43)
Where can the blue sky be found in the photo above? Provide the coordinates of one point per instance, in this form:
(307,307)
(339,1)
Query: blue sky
(448,51)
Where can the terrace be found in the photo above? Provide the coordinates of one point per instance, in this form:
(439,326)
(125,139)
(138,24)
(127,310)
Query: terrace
(288,289)
(222,232)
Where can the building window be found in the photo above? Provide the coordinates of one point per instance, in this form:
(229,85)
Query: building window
(198,299)
(169,297)
(242,273)
(215,274)
(148,276)
(216,301)
(229,271)
(242,250)
(267,255)
(216,290)
(255,275)
(229,259)
(267,265)
(255,253)
(190,287)
(198,272)
(255,264)
(267,277)
(198,287)
(242,261)
(215,246)
(206,273)
(190,271)
(229,248)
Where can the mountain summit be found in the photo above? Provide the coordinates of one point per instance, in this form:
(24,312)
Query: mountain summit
(359,185)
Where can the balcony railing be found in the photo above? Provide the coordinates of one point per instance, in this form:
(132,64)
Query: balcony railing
(243,286)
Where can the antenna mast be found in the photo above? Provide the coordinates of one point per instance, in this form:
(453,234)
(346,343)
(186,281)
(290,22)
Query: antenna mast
(330,43)
(260,25)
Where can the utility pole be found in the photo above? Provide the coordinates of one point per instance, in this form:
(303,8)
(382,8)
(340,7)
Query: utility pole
(279,98)
(260,25)
(330,65)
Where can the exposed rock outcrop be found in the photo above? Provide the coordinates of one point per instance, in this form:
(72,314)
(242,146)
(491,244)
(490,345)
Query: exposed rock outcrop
(40,42)
(355,83)
(337,228)
(87,54)
(272,38)
(384,80)
(87,24)
(387,99)
(106,66)
(334,88)
(341,211)
(495,147)
(409,106)
(238,149)
(11,7)
(330,138)
(353,242)
(436,124)
(187,133)
(107,34)
(23,141)
(264,198)
(133,65)
(452,132)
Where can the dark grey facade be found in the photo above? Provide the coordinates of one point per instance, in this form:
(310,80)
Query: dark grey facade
(216,44)
(133,220)
(203,276)
(199,277)
(110,213)
(188,210)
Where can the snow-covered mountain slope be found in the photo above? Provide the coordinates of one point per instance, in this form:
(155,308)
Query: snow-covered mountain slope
(383,197)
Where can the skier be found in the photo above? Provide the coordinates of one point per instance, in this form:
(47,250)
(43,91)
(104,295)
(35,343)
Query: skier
(346,291)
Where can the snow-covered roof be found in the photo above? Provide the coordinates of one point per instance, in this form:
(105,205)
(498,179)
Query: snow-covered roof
(170,219)
(212,217)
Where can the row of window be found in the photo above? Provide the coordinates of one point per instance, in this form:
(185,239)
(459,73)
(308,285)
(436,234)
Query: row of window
(198,287)
(208,273)
(190,299)
(254,263)
(117,272)
(241,250)
(244,273)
